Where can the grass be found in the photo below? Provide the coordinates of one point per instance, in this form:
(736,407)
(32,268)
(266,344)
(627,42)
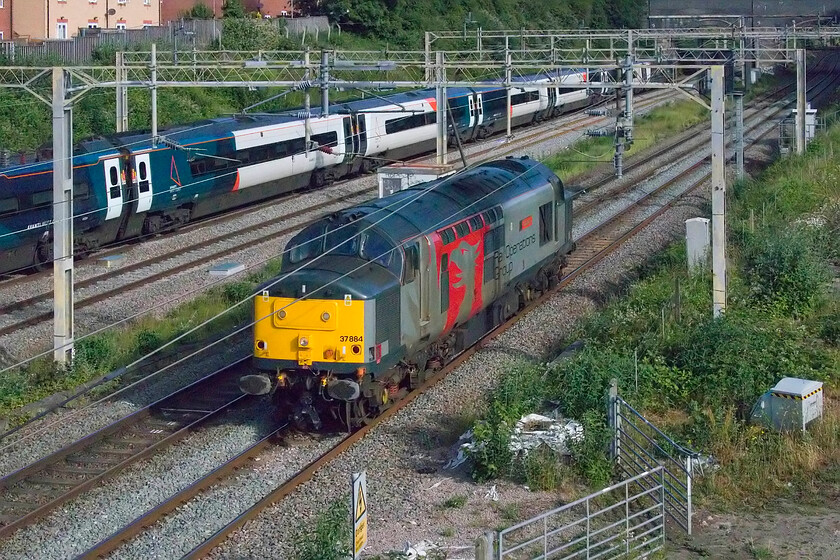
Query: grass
(649,129)
(696,377)
(455,502)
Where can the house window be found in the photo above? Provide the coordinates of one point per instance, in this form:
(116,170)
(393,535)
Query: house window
(121,25)
(92,1)
(61,30)
(147,2)
(121,1)
(2,4)
(93,25)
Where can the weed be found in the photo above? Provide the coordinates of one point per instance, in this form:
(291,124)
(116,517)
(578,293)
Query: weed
(331,538)
(510,512)
(455,502)
(447,532)
(760,552)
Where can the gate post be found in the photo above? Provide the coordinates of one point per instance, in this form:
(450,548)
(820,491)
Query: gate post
(689,476)
(484,546)
(613,420)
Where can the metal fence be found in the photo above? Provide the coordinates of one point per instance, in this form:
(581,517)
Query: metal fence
(624,520)
(80,49)
(638,447)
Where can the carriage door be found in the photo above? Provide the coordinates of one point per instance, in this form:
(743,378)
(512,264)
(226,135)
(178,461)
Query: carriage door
(471,102)
(362,131)
(114,186)
(143,180)
(552,100)
(479,109)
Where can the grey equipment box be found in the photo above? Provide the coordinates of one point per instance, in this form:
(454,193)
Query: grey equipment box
(400,176)
(792,404)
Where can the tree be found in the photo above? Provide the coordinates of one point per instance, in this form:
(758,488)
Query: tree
(233,9)
(200,11)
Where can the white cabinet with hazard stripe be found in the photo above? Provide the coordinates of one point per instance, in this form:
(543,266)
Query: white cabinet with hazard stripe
(791,405)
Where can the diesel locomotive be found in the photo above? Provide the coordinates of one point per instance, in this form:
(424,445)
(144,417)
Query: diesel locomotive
(376,297)
(127,186)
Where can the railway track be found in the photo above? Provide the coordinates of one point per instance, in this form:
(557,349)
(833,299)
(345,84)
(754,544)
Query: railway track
(29,306)
(31,492)
(593,246)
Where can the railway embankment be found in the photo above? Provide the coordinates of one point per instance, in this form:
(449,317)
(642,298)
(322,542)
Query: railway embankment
(698,378)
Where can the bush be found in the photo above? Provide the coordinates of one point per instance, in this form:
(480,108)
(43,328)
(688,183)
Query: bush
(236,292)
(147,340)
(783,270)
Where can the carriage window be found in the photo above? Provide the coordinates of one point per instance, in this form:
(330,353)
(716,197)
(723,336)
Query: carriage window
(8,205)
(546,222)
(326,139)
(81,191)
(144,174)
(408,122)
(42,198)
(444,283)
(412,263)
(115,177)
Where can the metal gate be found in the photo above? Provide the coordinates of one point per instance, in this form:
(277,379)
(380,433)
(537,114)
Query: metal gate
(638,446)
(626,520)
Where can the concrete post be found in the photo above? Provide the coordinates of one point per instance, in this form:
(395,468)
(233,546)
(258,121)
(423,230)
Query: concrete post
(508,76)
(307,105)
(800,101)
(62,220)
(122,94)
(697,244)
(739,134)
(154,96)
(440,94)
(718,195)
(427,61)
(484,546)
(325,84)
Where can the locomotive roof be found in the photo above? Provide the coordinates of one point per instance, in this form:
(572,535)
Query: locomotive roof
(435,205)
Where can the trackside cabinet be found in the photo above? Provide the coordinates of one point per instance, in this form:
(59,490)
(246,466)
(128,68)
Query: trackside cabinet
(792,404)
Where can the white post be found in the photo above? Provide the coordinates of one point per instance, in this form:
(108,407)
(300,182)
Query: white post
(62,220)
(122,94)
(508,76)
(154,96)
(718,195)
(442,130)
(739,134)
(325,84)
(800,101)
(307,105)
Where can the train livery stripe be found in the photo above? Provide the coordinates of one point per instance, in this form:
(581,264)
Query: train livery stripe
(236,183)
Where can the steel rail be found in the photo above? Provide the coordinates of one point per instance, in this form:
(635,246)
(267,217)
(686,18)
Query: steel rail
(102,454)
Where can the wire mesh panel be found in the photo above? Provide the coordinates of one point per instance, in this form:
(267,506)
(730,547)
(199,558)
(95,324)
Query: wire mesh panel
(639,446)
(626,519)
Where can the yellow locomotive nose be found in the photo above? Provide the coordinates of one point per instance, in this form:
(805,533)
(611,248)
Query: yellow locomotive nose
(307,332)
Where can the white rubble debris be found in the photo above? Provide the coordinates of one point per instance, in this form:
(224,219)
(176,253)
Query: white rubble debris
(534,430)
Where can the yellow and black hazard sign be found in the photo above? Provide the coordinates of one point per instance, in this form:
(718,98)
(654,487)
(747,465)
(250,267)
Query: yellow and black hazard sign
(359,509)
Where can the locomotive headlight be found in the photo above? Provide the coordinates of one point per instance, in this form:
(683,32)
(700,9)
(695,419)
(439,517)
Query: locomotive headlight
(262,345)
(281,314)
(303,341)
(325,316)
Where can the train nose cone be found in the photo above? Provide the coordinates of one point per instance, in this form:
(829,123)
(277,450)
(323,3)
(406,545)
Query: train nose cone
(255,384)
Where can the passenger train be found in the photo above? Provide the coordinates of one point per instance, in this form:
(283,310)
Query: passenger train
(376,297)
(127,186)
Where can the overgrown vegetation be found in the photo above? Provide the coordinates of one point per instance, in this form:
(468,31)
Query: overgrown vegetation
(649,129)
(700,377)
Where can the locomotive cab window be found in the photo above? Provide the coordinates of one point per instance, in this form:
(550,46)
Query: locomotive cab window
(546,222)
(310,245)
(376,248)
